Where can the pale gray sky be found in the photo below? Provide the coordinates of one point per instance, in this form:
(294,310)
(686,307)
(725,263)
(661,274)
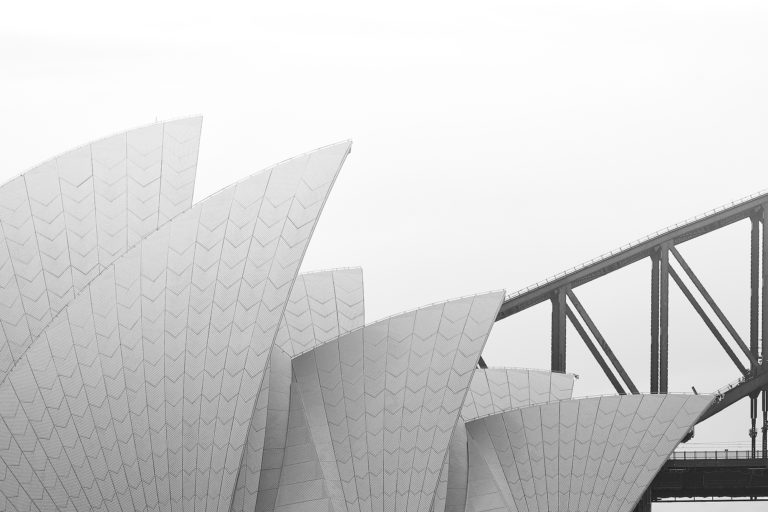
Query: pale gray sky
(495,143)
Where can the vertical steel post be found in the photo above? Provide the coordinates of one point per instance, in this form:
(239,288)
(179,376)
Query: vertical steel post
(753,417)
(655,322)
(558,330)
(764,324)
(765,423)
(754,316)
(754,286)
(663,319)
(764,297)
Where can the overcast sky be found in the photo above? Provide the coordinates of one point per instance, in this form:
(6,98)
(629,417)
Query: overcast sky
(495,143)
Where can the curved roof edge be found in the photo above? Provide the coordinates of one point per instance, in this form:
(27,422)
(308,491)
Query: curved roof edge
(323,305)
(65,220)
(53,158)
(612,448)
(196,205)
(388,358)
(219,305)
(493,391)
(409,311)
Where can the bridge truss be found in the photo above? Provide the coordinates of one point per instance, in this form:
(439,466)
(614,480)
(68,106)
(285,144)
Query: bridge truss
(667,268)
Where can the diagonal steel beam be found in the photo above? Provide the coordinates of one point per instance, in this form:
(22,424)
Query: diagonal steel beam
(632,253)
(601,341)
(736,393)
(707,297)
(703,315)
(593,349)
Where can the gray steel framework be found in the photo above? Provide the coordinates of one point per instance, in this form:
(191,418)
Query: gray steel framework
(662,249)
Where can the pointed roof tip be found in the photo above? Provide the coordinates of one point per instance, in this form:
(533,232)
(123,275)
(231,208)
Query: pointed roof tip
(340,159)
(196,119)
(355,268)
(345,142)
(497,295)
(341,143)
(188,117)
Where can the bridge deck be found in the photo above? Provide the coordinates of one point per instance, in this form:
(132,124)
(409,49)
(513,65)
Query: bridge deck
(723,475)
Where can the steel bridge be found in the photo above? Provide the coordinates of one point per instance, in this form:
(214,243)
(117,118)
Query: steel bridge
(724,475)
(684,477)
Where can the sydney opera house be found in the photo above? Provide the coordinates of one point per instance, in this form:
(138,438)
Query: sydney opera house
(168,356)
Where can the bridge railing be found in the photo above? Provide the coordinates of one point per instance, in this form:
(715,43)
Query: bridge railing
(713,455)
(732,385)
(634,243)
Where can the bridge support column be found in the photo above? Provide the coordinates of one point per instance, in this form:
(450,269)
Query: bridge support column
(559,309)
(753,417)
(655,264)
(764,324)
(765,424)
(664,320)
(660,320)
(754,317)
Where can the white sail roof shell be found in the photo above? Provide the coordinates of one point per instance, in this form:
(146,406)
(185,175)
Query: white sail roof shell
(182,365)
(65,220)
(381,404)
(322,306)
(139,394)
(589,454)
(493,390)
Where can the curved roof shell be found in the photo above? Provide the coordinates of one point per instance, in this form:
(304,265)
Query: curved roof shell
(159,356)
(492,391)
(139,394)
(380,405)
(495,390)
(65,220)
(322,306)
(589,454)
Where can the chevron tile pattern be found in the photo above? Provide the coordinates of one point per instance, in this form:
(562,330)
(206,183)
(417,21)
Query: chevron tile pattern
(495,390)
(165,357)
(381,402)
(492,391)
(66,220)
(140,393)
(590,454)
(265,445)
(323,306)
